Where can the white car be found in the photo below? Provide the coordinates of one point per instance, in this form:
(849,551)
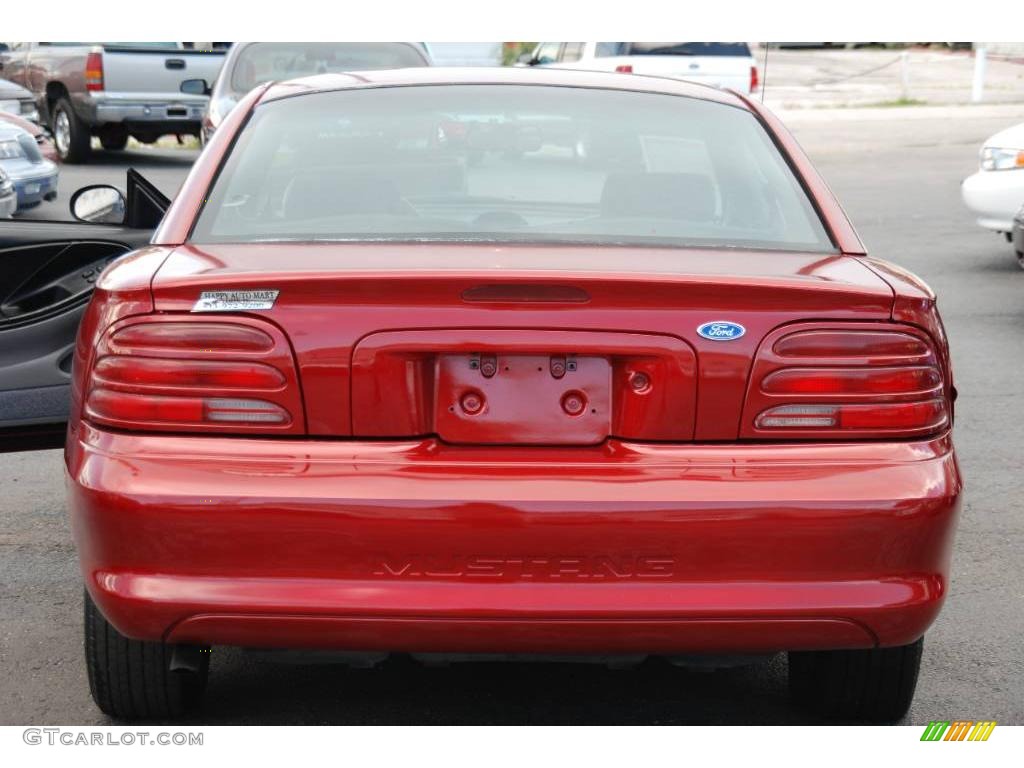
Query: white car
(725,65)
(996,192)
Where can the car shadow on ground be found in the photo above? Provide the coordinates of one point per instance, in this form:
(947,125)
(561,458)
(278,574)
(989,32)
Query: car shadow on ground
(247,688)
(141,158)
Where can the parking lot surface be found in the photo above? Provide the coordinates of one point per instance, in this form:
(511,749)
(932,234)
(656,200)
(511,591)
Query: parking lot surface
(897,174)
(837,77)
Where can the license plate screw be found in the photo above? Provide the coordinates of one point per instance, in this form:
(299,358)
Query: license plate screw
(557,366)
(639,381)
(488,365)
(574,403)
(472,402)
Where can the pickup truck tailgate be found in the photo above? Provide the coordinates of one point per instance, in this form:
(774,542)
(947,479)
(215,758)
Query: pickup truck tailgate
(156,71)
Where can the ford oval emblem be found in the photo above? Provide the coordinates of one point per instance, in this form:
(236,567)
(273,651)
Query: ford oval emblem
(721,330)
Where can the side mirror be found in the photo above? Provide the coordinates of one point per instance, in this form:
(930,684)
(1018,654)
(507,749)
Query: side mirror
(525,60)
(196,87)
(98,204)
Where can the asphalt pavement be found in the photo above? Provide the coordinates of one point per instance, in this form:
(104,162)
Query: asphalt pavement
(897,173)
(165,167)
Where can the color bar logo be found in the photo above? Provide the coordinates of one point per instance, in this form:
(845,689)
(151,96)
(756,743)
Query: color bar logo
(958,730)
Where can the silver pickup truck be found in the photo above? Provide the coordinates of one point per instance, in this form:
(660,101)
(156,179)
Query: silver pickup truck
(111,90)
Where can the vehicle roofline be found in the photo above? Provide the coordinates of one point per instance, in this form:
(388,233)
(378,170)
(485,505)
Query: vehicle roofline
(499,76)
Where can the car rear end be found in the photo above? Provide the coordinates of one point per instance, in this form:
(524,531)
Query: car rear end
(569,484)
(136,86)
(505,443)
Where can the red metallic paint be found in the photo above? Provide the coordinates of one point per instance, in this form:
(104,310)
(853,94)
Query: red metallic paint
(328,538)
(367,533)
(333,295)
(404,382)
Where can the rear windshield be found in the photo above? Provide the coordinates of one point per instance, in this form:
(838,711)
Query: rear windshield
(508,163)
(672,49)
(261,62)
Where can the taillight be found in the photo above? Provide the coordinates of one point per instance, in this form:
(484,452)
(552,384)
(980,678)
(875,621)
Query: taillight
(94,71)
(856,382)
(754,80)
(625,69)
(187,375)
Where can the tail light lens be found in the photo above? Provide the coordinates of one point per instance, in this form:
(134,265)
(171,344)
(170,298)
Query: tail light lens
(626,69)
(185,375)
(754,80)
(856,382)
(94,71)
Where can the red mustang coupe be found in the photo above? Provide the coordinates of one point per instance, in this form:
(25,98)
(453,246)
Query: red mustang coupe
(510,361)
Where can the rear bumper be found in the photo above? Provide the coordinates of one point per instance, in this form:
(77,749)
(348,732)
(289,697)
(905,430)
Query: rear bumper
(421,547)
(144,109)
(33,188)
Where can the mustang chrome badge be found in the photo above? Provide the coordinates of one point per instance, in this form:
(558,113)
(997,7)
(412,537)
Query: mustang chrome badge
(235,301)
(721,330)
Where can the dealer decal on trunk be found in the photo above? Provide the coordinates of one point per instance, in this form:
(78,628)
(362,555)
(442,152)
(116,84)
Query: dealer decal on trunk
(235,301)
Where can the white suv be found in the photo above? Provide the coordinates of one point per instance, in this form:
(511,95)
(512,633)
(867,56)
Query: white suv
(725,65)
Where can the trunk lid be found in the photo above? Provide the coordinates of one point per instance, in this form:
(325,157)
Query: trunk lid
(156,72)
(524,344)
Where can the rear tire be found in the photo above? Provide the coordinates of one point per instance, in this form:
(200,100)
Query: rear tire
(1020,258)
(113,138)
(132,679)
(876,685)
(71,135)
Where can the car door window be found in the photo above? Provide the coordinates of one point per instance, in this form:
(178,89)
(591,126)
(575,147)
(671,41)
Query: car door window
(603,50)
(547,53)
(572,52)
